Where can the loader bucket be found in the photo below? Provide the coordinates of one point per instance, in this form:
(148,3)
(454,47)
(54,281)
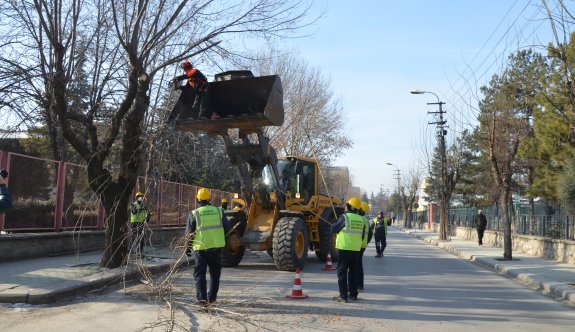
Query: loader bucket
(247,103)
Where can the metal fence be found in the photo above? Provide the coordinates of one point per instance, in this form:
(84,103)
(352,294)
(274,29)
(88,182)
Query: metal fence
(543,221)
(52,195)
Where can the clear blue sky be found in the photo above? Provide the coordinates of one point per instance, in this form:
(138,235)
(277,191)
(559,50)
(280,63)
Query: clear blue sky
(376,51)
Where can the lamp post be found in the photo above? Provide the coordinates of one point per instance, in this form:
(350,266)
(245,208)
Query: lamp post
(397,176)
(444,193)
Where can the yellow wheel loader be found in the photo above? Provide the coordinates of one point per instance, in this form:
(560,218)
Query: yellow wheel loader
(284,214)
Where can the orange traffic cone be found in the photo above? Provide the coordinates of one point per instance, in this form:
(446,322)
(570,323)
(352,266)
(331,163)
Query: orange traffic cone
(296,291)
(328,266)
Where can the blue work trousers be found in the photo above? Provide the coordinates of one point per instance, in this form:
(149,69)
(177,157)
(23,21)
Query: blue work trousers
(207,259)
(360,269)
(347,270)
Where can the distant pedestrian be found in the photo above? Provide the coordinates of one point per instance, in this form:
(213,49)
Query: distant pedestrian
(207,226)
(5,197)
(380,233)
(393,218)
(365,240)
(420,222)
(349,230)
(138,218)
(480,223)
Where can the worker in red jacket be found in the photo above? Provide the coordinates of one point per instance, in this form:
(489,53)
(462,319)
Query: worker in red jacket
(199,86)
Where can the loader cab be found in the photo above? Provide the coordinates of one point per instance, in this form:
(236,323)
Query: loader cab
(297,176)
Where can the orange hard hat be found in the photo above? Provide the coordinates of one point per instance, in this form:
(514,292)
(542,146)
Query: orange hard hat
(186,64)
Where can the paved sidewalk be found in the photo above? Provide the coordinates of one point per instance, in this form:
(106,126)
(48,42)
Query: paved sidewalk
(554,279)
(50,279)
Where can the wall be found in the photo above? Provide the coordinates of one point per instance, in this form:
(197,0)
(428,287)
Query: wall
(562,251)
(31,245)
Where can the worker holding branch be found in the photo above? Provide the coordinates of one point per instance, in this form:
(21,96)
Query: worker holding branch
(206,229)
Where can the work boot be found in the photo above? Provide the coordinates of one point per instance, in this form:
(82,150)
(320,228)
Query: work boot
(360,288)
(339,299)
(201,303)
(353,298)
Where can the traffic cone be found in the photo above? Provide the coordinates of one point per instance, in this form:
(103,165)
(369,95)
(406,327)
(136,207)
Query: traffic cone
(296,291)
(328,266)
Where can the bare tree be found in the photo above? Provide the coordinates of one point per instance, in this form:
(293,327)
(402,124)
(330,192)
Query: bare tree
(145,39)
(314,117)
(412,181)
(337,182)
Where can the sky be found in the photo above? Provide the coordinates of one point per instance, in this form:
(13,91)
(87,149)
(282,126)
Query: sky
(375,52)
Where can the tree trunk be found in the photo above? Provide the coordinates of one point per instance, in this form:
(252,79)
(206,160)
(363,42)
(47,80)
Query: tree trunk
(443,218)
(407,217)
(116,196)
(116,238)
(507,245)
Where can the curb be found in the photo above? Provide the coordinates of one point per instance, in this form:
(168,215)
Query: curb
(55,294)
(546,286)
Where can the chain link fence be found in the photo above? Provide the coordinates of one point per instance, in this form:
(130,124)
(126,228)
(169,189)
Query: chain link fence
(50,195)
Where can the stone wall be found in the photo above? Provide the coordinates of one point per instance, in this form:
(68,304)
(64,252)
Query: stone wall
(27,245)
(562,251)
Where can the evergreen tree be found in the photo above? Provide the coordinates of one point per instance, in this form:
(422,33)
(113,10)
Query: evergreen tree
(505,113)
(554,132)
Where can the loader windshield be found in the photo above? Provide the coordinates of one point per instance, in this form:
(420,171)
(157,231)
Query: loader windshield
(295,176)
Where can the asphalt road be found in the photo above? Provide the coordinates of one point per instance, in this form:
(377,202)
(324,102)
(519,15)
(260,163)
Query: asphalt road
(415,287)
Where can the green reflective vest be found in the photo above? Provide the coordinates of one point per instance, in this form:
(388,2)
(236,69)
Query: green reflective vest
(209,228)
(376,222)
(349,238)
(140,212)
(365,232)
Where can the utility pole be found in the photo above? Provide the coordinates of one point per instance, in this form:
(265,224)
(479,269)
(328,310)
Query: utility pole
(443,191)
(397,176)
(441,132)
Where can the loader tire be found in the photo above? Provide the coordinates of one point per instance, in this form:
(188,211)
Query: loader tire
(290,243)
(326,242)
(233,252)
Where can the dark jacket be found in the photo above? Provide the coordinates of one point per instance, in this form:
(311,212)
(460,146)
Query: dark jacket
(480,221)
(5,198)
(380,227)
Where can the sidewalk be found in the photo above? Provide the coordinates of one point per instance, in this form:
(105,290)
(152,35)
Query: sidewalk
(552,278)
(50,279)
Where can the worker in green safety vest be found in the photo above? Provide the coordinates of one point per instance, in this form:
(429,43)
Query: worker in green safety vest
(138,218)
(206,229)
(350,231)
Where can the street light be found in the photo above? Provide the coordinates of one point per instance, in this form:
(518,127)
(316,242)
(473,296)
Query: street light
(444,180)
(420,92)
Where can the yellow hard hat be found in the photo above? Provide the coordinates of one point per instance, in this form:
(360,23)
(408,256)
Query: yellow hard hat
(224,200)
(203,194)
(354,203)
(365,207)
(139,194)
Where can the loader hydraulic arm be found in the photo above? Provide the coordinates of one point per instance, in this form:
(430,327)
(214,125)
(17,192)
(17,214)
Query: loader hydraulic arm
(250,158)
